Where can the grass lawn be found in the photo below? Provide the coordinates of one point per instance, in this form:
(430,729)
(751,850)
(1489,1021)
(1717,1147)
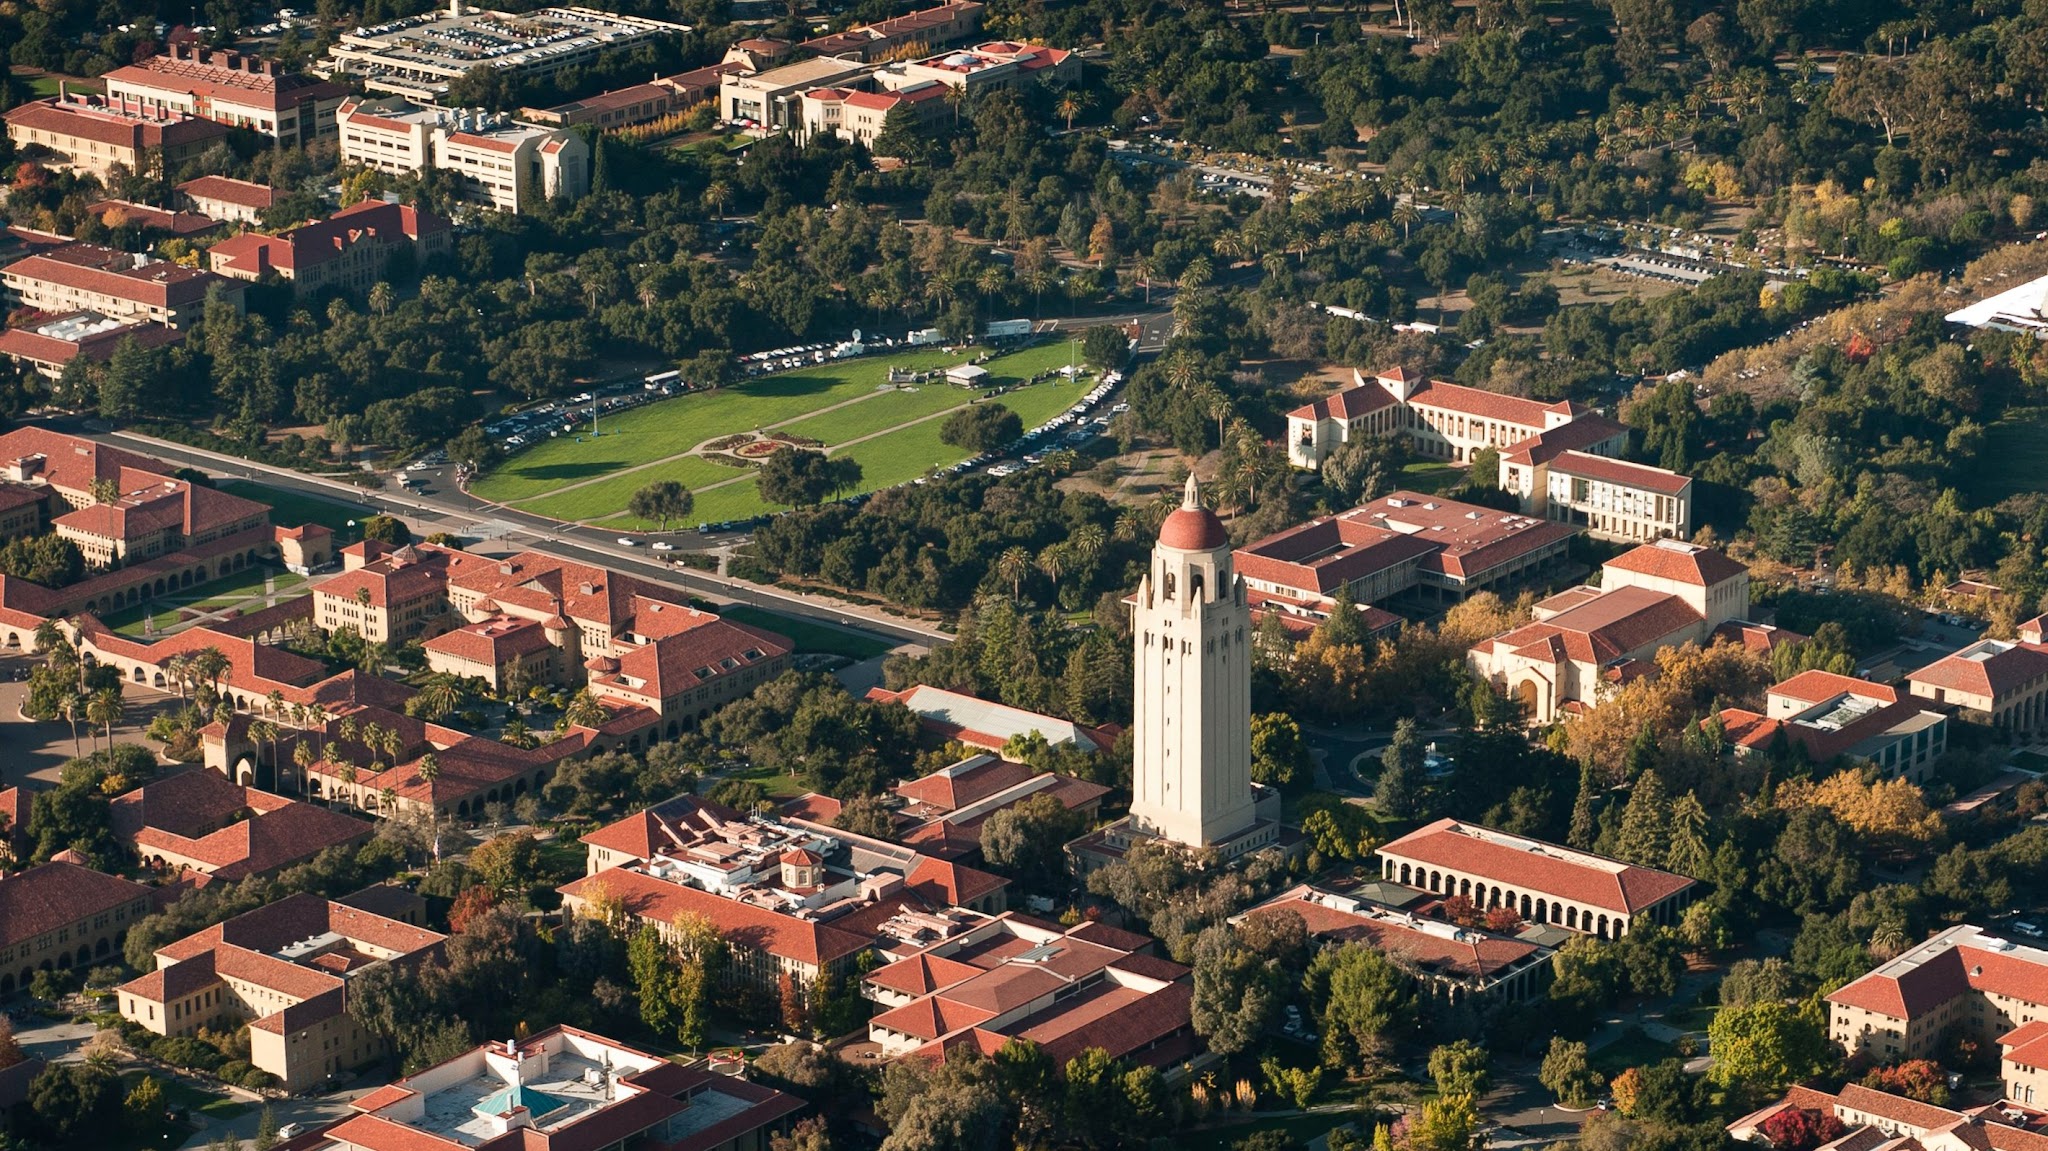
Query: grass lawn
(242,588)
(794,401)
(1430,477)
(1299,1128)
(46,85)
(294,508)
(779,785)
(1698,1017)
(2014,458)
(217,1107)
(808,636)
(1633,1049)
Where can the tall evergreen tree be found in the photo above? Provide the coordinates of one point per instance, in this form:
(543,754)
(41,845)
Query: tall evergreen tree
(1645,837)
(1584,827)
(1401,780)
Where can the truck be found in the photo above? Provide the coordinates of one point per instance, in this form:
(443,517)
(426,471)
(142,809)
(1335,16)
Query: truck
(1006,330)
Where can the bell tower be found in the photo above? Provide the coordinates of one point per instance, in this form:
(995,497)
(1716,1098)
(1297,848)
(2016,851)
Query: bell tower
(1191,625)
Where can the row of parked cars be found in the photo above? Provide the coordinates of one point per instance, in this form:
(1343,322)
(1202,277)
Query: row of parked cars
(556,417)
(1071,428)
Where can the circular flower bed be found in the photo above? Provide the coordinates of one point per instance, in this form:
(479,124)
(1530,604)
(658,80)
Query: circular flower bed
(757,450)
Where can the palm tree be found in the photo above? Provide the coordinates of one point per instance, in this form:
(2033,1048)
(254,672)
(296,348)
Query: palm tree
(105,709)
(1071,104)
(363,596)
(304,757)
(209,663)
(1053,561)
(391,743)
(381,298)
(374,657)
(1182,370)
(430,768)
(1130,524)
(1012,565)
(1088,541)
(1406,215)
(439,695)
(275,703)
(584,710)
(263,731)
(387,800)
(73,708)
(717,193)
(178,669)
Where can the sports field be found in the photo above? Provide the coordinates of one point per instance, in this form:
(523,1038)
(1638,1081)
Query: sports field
(847,406)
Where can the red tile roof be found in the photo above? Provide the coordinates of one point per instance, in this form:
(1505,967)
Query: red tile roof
(664,826)
(1564,443)
(1477,955)
(1618,472)
(961,784)
(954,883)
(1987,667)
(310,245)
(743,924)
(1350,404)
(707,649)
(2026,1045)
(491,642)
(228,191)
(1932,973)
(226,76)
(94,122)
(1898,1108)
(146,216)
(1600,631)
(1488,405)
(55,895)
(1324,554)
(32,345)
(106,272)
(1816,686)
(1530,865)
(1679,562)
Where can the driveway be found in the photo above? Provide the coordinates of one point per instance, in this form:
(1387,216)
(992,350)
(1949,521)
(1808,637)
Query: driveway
(53,1042)
(32,751)
(308,1113)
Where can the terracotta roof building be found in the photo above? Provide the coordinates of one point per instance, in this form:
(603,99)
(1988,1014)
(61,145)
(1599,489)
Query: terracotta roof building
(638,104)
(1880,1121)
(49,343)
(929,28)
(1403,544)
(1833,716)
(87,135)
(942,812)
(563,1089)
(90,278)
(224,198)
(198,822)
(1017,978)
(1994,682)
(1541,882)
(346,251)
(285,969)
(153,515)
(61,916)
(793,899)
(228,88)
(1442,421)
(981,723)
(1962,980)
(1658,595)
(117,214)
(1455,963)
(1611,499)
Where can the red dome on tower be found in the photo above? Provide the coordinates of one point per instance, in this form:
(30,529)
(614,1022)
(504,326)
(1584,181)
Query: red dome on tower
(1192,527)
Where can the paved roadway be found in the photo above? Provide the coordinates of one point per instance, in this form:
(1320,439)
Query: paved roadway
(459,512)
